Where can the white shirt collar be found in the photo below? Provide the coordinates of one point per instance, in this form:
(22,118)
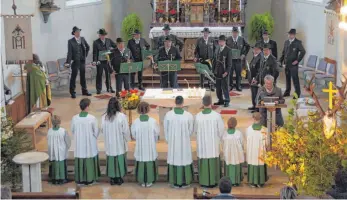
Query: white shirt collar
(78,39)
(266,57)
(221,48)
(235,39)
(266,41)
(121,50)
(291,40)
(255,55)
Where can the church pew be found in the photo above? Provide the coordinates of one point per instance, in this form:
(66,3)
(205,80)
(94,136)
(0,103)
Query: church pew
(196,195)
(47,195)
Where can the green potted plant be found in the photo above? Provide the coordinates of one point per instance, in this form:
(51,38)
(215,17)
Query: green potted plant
(131,23)
(259,23)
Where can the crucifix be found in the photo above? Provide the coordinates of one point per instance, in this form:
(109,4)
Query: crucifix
(331,93)
(14,7)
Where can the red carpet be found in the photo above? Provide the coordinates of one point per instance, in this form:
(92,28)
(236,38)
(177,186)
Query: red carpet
(142,93)
(228,112)
(50,110)
(214,107)
(103,96)
(233,94)
(153,106)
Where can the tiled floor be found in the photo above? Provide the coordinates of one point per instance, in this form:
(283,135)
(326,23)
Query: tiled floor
(66,107)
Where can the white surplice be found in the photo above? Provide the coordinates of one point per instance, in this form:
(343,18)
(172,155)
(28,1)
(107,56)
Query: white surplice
(58,144)
(178,130)
(146,134)
(256,146)
(233,148)
(117,134)
(209,129)
(85,131)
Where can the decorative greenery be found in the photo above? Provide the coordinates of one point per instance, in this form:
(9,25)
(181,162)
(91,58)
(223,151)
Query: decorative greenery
(13,142)
(259,23)
(131,23)
(301,150)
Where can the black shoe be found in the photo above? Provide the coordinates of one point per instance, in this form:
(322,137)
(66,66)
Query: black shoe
(111,91)
(212,89)
(286,94)
(98,92)
(112,181)
(239,89)
(252,108)
(218,103)
(226,104)
(142,88)
(73,96)
(86,94)
(231,87)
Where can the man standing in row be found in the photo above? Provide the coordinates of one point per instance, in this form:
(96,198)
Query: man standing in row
(174,39)
(100,45)
(254,66)
(77,52)
(168,53)
(222,64)
(240,50)
(136,45)
(292,54)
(268,65)
(273,48)
(204,51)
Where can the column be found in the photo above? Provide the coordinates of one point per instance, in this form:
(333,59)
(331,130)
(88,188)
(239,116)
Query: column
(178,11)
(31,170)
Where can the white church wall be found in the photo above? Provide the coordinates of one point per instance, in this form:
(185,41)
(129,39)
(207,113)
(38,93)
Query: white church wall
(309,19)
(50,39)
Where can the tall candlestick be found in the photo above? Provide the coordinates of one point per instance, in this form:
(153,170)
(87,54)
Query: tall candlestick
(167,6)
(229,5)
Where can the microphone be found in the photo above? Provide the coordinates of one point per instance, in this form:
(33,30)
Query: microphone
(187,82)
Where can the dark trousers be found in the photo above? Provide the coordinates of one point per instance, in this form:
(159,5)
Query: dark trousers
(276,75)
(292,73)
(222,89)
(99,71)
(236,66)
(254,92)
(122,79)
(139,78)
(171,76)
(75,67)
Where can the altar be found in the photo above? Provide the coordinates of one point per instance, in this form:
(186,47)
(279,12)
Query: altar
(187,18)
(165,100)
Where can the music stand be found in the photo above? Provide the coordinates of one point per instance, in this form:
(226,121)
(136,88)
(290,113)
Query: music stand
(128,68)
(169,66)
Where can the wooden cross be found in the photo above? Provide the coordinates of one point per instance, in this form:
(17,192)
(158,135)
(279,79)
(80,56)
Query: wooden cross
(331,92)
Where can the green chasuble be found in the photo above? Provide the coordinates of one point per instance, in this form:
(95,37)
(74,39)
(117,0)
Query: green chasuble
(116,166)
(210,172)
(146,172)
(36,87)
(180,175)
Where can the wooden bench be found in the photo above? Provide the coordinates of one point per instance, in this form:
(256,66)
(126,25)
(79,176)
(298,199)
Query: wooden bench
(237,196)
(32,122)
(47,195)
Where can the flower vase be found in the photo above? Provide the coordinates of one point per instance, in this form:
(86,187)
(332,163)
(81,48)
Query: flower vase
(224,19)
(161,19)
(235,19)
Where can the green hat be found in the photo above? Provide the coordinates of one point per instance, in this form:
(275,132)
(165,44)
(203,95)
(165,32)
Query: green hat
(222,38)
(102,31)
(257,45)
(167,38)
(267,46)
(166,27)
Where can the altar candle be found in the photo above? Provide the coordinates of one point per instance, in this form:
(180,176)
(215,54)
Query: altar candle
(155,5)
(167,6)
(178,7)
(194,93)
(229,5)
(219,5)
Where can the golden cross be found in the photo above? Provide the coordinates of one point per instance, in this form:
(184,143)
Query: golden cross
(331,92)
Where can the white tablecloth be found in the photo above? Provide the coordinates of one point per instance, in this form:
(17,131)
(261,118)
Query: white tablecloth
(192,32)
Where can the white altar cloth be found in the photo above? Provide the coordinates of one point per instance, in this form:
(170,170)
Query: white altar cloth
(192,32)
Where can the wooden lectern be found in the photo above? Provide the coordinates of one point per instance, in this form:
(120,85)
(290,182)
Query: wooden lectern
(271,119)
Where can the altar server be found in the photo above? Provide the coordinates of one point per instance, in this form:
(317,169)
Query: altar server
(58,147)
(114,124)
(84,127)
(145,130)
(209,129)
(256,150)
(240,50)
(168,53)
(178,128)
(176,42)
(233,152)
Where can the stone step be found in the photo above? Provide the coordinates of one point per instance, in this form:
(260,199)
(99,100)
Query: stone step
(188,77)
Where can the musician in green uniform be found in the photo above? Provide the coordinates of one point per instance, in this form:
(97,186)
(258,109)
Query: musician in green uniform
(176,42)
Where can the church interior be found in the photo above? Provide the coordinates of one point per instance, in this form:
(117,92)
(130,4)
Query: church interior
(29,107)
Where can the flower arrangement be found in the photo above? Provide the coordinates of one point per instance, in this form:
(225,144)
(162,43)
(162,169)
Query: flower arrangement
(160,13)
(234,13)
(310,160)
(224,13)
(129,99)
(173,13)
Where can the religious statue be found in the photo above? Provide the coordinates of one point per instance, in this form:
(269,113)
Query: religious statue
(47,4)
(334,5)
